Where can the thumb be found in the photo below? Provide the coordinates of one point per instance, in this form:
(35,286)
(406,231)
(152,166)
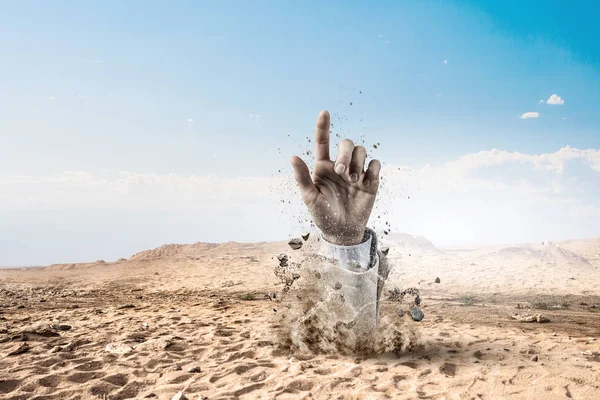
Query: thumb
(302,175)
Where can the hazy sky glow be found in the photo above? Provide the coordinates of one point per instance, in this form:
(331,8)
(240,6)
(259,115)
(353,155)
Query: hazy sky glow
(127,125)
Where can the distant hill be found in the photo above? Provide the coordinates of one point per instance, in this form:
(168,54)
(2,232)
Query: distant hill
(409,242)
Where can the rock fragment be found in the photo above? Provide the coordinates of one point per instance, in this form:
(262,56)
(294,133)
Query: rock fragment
(71,346)
(437,280)
(400,312)
(194,370)
(158,344)
(416,314)
(305,236)
(541,318)
(385,250)
(118,348)
(534,358)
(60,327)
(20,349)
(179,396)
(283,260)
(295,243)
(124,306)
(530,318)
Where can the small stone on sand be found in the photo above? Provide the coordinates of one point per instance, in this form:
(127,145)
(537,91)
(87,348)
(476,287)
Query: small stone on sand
(179,396)
(55,349)
(400,312)
(118,348)
(530,318)
(60,327)
(534,358)
(22,348)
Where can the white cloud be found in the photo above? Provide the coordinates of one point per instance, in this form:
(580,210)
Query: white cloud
(555,100)
(52,98)
(190,120)
(564,118)
(445,61)
(541,101)
(380,36)
(531,114)
(489,196)
(81,96)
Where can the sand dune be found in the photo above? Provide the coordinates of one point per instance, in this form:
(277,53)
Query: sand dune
(196,318)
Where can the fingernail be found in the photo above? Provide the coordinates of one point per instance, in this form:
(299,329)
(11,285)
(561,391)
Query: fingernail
(353,177)
(367,183)
(340,168)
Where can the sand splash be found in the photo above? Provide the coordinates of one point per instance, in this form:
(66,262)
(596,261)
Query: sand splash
(314,316)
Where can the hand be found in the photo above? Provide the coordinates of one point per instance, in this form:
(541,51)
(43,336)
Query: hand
(339,196)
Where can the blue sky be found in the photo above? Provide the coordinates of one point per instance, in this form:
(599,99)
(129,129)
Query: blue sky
(196,88)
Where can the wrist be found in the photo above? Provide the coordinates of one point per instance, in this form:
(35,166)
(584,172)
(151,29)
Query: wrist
(342,240)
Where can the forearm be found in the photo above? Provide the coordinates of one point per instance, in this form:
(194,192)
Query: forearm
(359,273)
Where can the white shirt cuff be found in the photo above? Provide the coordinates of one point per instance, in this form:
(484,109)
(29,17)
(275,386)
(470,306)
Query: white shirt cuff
(355,258)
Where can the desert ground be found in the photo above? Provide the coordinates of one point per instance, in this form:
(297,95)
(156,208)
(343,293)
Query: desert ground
(196,321)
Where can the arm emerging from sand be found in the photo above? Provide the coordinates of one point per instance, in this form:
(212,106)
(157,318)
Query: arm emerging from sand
(340,196)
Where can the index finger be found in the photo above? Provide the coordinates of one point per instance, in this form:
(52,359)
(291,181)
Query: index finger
(322,137)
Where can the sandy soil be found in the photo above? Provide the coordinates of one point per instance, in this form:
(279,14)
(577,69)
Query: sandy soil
(197,318)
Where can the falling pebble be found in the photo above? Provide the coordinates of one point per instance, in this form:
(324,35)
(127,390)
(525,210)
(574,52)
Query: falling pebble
(385,250)
(337,286)
(400,312)
(305,236)
(295,243)
(416,314)
(437,280)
